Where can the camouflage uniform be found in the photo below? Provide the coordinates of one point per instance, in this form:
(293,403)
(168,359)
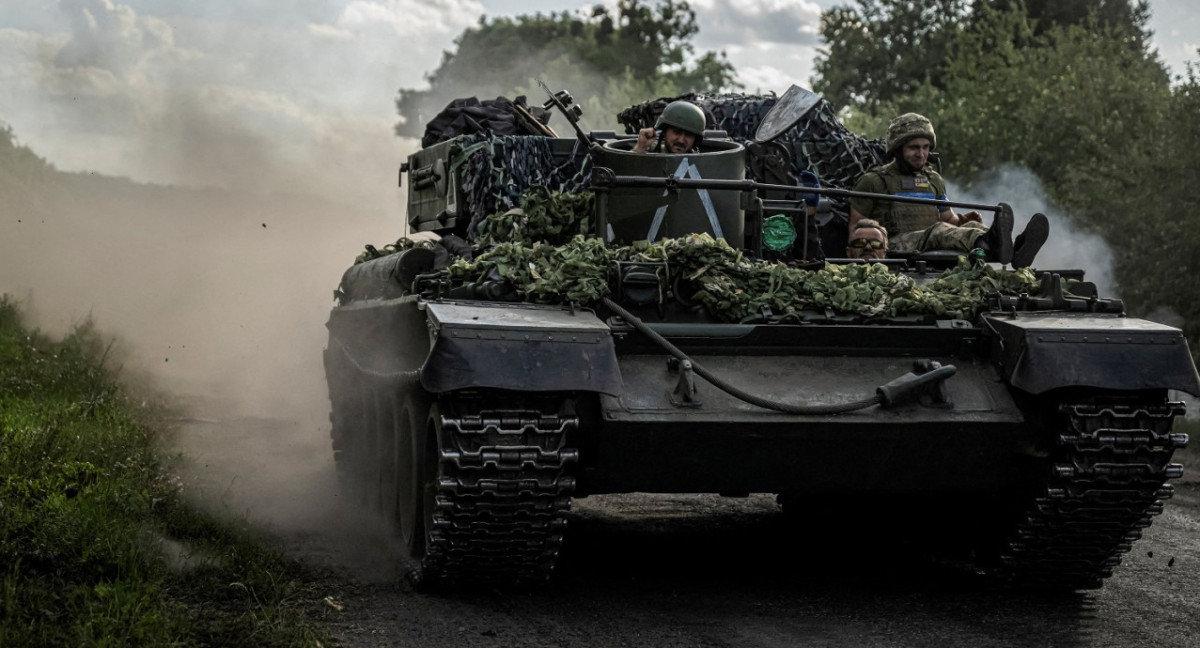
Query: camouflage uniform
(913,227)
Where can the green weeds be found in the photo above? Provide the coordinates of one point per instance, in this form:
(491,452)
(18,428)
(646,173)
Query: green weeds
(92,526)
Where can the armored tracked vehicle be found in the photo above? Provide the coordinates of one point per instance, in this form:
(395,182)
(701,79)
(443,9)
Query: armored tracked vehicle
(480,380)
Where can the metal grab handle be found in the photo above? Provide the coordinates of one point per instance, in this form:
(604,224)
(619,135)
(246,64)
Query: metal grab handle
(609,181)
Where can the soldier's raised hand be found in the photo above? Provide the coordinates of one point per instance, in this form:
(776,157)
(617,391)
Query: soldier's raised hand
(646,137)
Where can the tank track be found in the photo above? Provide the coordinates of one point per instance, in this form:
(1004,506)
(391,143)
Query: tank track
(1108,478)
(500,506)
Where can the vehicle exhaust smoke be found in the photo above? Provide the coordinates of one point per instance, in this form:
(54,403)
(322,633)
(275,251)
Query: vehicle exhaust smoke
(1069,247)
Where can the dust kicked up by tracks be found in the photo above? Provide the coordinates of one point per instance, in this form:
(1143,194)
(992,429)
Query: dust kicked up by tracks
(687,570)
(278,474)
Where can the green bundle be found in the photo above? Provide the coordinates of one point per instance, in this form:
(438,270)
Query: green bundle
(544,273)
(545,216)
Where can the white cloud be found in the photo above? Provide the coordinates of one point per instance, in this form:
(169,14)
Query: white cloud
(771,43)
(23,59)
(112,37)
(411,18)
(1179,56)
(139,87)
(724,23)
(764,79)
(765,67)
(230,95)
(330,32)
(242,94)
(1174,23)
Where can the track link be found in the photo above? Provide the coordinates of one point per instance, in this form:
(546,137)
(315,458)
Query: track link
(1107,480)
(504,487)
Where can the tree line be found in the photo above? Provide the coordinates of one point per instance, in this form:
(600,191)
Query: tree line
(611,58)
(1071,90)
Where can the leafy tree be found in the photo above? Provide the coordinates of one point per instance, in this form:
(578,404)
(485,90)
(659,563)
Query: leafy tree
(1095,119)
(881,50)
(23,175)
(1126,19)
(884,49)
(608,58)
(17,161)
(1161,228)
(1076,87)
(1099,124)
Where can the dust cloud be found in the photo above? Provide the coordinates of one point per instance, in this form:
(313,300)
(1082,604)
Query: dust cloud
(217,298)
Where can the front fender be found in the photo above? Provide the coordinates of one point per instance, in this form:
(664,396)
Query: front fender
(1042,352)
(522,347)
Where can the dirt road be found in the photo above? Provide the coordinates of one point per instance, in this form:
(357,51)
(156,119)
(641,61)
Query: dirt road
(691,570)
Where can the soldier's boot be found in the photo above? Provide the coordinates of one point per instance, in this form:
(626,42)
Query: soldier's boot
(997,242)
(1028,243)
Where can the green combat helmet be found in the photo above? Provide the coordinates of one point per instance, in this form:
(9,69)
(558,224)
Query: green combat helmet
(685,116)
(906,127)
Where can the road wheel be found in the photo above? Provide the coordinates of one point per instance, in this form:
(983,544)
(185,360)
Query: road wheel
(389,455)
(416,473)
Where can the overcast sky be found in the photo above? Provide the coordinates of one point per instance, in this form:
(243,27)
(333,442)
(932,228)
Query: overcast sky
(299,95)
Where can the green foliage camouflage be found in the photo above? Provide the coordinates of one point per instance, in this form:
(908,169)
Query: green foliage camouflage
(733,287)
(544,273)
(956,294)
(545,216)
(403,243)
(553,217)
(544,251)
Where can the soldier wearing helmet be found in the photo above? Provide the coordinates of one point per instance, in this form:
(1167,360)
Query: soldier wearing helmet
(679,129)
(916,227)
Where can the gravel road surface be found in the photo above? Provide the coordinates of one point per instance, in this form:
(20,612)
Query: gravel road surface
(666,571)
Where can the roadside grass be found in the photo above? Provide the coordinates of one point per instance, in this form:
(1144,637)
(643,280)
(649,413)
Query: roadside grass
(97,545)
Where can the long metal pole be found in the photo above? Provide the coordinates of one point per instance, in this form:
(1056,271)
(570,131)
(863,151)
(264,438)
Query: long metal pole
(751,185)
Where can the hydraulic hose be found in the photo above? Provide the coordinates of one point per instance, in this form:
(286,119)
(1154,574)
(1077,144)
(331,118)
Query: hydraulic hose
(788,408)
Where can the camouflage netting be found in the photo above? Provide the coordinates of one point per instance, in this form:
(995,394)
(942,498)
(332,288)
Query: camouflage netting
(532,209)
(544,216)
(496,170)
(470,115)
(818,142)
(733,287)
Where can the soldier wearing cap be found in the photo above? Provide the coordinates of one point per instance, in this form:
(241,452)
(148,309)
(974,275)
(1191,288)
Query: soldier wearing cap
(681,125)
(916,227)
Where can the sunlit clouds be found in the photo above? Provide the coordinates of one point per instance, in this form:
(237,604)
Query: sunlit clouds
(206,97)
(254,95)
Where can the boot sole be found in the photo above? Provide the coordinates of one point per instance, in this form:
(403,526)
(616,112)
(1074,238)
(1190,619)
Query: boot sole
(1036,233)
